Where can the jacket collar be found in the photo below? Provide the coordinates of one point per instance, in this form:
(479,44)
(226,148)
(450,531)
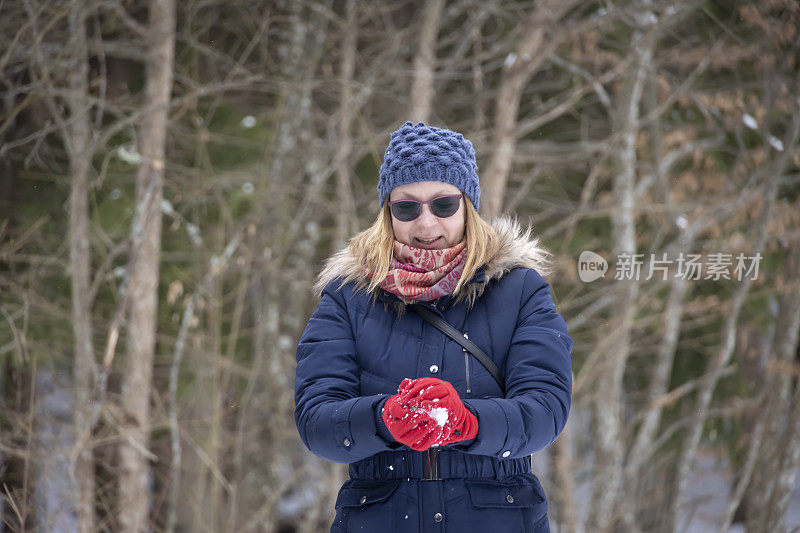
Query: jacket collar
(515,248)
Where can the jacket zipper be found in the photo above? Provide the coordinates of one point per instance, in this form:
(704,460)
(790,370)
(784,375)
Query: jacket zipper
(466,365)
(431,458)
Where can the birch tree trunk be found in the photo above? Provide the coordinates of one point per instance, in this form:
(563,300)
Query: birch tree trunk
(77,141)
(608,400)
(134,479)
(425,62)
(643,442)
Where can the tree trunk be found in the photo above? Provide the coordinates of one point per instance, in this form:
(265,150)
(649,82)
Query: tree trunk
(425,62)
(608,400)
(346,222)
(776,468)
(642,449)
(300,157)
(134,479)
(77,139)
(519,66)
(564,477)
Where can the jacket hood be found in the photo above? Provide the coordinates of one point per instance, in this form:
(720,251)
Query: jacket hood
(516,248)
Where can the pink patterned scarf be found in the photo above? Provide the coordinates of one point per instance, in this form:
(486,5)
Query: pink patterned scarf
(424,275)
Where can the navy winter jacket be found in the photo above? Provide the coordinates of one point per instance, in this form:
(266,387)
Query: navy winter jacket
(353,354)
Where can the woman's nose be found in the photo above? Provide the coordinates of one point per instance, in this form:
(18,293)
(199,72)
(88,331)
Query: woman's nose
(426,216)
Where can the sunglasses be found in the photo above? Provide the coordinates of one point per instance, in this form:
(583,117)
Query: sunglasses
(441,206)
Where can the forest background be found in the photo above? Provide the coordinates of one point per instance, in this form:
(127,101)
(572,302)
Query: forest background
(173,174)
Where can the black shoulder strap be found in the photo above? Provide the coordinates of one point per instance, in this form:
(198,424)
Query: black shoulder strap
(467,344)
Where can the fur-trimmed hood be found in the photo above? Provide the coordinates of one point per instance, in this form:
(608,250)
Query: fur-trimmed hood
(517,248)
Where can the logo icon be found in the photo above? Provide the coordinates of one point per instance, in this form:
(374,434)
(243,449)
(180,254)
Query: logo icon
(591,266)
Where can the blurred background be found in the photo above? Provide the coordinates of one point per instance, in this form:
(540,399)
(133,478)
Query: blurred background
(173,174)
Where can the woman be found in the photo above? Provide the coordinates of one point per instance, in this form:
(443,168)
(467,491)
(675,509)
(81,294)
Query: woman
(433,442)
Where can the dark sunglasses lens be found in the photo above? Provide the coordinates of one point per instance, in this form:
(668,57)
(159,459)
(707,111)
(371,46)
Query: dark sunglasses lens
(405,211)
(445,207)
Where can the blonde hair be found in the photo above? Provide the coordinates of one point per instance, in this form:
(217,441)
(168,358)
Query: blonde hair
(373,248)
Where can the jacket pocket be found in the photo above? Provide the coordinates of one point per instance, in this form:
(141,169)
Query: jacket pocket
(365,506)
(517,504)
(503,495)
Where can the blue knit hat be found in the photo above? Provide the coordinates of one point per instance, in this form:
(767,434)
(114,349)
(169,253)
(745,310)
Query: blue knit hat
(418,152)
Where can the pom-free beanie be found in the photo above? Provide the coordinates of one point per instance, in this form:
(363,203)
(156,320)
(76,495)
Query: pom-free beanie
(417,152)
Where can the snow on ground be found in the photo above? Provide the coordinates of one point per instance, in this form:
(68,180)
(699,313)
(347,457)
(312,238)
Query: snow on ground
(709,492)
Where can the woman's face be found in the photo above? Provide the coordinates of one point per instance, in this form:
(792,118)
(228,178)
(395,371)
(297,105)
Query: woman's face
(418,233)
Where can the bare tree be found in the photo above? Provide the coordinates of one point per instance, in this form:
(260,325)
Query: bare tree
(532,51)
(73,121)
(722,357)
(135,476)
(774,473)
(615,127)
(607,466)
(78,145)
(774,455)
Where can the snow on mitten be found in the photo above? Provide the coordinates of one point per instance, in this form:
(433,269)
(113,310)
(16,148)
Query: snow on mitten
(457,421)
(412,426)
(464,427)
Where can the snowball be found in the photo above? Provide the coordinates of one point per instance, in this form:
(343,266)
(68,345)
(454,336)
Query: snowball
(439,414)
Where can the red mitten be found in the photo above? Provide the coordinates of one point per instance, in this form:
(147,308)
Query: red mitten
(462,423)
(429,388)
(411,425)
(428,411)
